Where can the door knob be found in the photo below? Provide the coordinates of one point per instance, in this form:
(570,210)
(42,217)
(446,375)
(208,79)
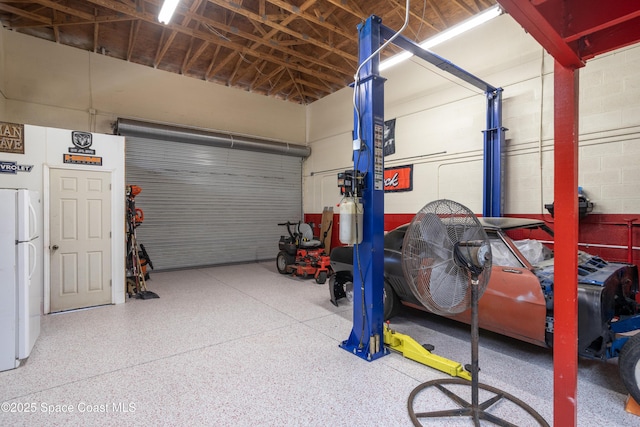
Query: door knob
(55,247)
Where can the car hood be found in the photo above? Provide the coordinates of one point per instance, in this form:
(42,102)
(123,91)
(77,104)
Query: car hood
(592,270)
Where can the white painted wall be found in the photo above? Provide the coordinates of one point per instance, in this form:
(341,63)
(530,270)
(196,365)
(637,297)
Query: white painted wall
(54,85)
(440,122)
(44,149)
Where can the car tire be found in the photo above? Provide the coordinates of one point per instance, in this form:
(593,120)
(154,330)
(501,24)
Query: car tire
(629,366)
(390,300)
(283,261)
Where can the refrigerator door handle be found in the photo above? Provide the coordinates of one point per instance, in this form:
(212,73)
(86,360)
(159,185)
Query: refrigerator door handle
(35,261)
(32,212)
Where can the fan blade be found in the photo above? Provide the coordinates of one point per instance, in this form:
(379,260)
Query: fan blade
(429,260)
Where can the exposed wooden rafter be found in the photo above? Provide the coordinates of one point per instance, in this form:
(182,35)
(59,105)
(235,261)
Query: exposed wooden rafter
(299,50)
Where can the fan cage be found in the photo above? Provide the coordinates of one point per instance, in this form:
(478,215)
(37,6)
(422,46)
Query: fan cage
(432,273)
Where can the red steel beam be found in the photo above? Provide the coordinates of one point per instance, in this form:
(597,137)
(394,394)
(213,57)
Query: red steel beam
(535,23)
(590,16)
(610,38)
(565,337)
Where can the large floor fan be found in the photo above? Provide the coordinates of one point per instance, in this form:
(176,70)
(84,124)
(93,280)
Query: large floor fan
(446,258)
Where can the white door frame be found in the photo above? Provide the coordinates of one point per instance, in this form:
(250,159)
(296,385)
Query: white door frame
(117,266)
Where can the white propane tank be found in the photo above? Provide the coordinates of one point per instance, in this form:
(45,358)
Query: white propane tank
(351,213)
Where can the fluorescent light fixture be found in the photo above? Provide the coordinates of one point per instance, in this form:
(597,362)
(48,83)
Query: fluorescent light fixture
(452,32)
(166,12)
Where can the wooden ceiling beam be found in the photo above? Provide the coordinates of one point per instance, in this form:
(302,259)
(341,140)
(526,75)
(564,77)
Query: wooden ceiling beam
(259,28)
(266,78)
(280,87)
(96,33)
(275,60)
(185,21)
(438,13)
(56,31)
(300,11)
(67,22)
(25,14)
(307,83)
(186,56)
(259,73)
(65,9)
(313,95)
(296,85)
(213,61)
(230,5)
(232,77)
(148,17)
(133,36)
(271,34)
(258,41)
(462,5)
(188,64)
(220,65)
(159,48)
(353,9)
(164,47)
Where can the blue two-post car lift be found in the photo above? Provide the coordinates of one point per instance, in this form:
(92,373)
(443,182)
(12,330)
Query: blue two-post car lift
(366,338)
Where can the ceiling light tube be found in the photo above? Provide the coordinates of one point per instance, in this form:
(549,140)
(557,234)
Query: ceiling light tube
(448,34)
(166,12)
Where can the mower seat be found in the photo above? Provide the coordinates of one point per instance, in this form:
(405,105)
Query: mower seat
(307,241)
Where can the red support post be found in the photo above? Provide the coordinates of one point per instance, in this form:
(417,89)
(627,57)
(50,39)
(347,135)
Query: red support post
(565,340)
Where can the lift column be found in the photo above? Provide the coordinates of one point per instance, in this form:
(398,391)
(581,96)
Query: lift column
(366,338)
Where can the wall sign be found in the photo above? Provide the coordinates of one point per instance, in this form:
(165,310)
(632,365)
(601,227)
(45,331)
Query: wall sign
(390,137)
(78,159)
(13,167)
(11,138)
(398,179)
(82,142)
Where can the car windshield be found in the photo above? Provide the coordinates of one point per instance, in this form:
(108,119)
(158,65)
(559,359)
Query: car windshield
(529,242)
(501,254)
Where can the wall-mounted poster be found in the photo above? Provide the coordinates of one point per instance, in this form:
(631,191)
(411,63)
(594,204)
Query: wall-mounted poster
(389,137)
(399,178)
(11,138)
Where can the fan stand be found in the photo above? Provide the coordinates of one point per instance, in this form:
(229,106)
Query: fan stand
(476,410)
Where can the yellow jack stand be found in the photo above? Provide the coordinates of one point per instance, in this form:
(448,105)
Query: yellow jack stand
(410,349)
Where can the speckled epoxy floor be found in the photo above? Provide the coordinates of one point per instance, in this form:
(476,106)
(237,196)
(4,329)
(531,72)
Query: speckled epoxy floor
(242,345)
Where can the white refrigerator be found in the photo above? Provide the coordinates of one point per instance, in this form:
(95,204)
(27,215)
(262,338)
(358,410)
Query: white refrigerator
(21,274)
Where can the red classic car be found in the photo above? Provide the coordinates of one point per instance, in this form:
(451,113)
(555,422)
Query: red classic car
(518,301)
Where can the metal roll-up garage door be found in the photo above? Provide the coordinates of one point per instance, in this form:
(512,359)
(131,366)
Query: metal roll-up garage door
(207,205)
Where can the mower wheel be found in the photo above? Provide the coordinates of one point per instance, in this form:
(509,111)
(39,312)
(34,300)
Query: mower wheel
(321,278)
(283,261)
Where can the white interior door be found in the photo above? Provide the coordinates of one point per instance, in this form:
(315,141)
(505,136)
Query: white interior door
(80,238)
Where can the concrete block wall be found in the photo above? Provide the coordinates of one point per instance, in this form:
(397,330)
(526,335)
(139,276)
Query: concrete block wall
(439,124)
(610,131)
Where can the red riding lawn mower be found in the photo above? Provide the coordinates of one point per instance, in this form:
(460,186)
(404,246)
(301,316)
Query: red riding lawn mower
(302,255)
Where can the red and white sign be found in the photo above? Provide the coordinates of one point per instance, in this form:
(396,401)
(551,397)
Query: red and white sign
(398,178)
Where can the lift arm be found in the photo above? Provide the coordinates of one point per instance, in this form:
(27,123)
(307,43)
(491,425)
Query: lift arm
(410,349)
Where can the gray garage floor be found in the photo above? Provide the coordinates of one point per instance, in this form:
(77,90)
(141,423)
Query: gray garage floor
(243,346)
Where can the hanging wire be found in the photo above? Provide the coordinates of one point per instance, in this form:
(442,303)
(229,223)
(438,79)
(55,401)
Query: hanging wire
(356,77)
